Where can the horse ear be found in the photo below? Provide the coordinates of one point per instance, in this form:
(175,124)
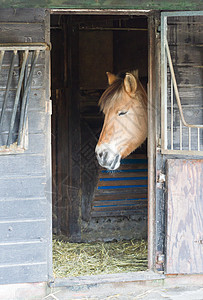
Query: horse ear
(111,77)
(130,83)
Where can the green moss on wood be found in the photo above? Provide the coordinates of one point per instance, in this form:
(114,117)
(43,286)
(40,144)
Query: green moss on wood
(106,4)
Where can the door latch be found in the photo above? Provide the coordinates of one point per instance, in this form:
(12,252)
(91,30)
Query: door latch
(161,178)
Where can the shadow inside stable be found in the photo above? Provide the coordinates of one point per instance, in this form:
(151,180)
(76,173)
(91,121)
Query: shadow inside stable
(84,47)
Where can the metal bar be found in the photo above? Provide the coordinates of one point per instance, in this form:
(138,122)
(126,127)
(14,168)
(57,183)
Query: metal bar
(1,58)
(171,114)
(111,29)
(176,89)
(189,136)
(8,87)
(23,107)
(16,101)
(182,13)
(84,11)
(24,46)
(163,84)
(198,139)
(26,108)
(25,76)
(181,135)
(182,152)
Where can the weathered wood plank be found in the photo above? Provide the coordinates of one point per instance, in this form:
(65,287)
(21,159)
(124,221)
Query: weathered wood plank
(188,20)
(22,253)
(138,212)
(184,216)
(185,34)
(36,144)
(22,187)
(36,103)
(188,54)
(188,76)
(17,209)
(121,203)
(190,97)
(124,175)
(21,33)
(26,165)
(135,190)
(192,115)
(27,15)
(21,273)
(36,122)
(8,56)
(23,230)
(37,81)
(120,196)
(119,208)
(120,183)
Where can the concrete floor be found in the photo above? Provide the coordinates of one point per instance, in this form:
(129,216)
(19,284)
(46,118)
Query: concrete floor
(132,292)
(140,285)
(132,286)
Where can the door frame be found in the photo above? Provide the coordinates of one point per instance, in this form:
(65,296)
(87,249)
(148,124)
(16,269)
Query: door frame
(153,96)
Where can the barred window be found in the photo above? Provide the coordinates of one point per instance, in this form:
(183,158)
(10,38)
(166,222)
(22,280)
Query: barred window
(17,65)
(182,83)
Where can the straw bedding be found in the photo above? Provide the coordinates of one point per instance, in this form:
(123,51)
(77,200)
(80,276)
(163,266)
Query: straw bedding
(79,259)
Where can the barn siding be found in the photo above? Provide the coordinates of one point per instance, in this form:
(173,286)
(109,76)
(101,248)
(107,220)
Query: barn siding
(25,197)
(108,4)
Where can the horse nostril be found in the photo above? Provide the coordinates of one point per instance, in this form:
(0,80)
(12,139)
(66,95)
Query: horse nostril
(103,155)
(100,154)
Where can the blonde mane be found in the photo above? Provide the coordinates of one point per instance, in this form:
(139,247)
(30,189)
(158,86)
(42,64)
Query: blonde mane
(113,94)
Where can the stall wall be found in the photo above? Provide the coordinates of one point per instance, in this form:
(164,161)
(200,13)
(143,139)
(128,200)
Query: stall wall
(25,178)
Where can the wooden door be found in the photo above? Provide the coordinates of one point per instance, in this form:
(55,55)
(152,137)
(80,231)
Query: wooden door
(180,158)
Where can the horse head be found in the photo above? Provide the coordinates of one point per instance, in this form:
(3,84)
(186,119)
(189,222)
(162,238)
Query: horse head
(124,104)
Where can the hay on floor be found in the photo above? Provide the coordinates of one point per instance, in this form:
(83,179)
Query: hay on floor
(79,259)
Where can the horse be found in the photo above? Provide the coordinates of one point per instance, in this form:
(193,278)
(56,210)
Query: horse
(124,104)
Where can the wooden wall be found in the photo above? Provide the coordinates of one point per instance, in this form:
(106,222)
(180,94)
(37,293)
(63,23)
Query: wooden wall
(25,178)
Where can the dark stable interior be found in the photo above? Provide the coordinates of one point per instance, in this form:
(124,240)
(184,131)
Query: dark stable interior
(84,48)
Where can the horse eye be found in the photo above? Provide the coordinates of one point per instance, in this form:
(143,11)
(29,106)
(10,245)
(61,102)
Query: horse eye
(122,113)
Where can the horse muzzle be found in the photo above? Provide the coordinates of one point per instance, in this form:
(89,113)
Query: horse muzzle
(107,158)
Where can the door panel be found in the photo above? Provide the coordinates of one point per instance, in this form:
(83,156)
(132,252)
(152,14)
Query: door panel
(179,221)
(184,230)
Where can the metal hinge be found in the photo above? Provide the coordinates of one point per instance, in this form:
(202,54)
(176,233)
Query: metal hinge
(48,108)
(161,178)
(160,259)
